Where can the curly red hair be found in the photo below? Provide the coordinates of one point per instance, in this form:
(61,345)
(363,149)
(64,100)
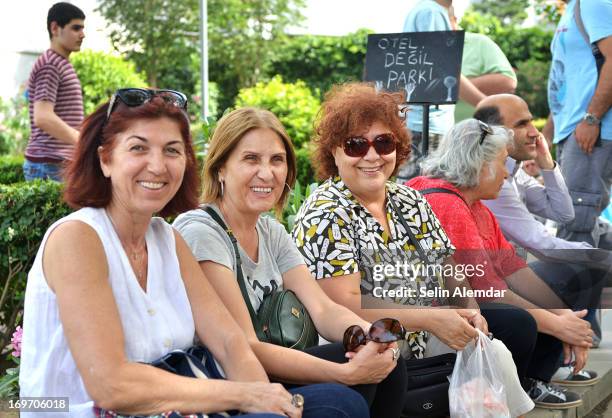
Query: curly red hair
(349,110)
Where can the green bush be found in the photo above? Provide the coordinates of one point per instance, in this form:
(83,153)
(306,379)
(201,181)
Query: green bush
(101,74)
(532,77)
(293,103)
(519,44)
(28,209)
(11,169)
(14,125)
(305,170)
(297,197)
(321,61)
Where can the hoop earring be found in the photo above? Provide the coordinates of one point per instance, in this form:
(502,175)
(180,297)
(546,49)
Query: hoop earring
(222,183)
(289,187)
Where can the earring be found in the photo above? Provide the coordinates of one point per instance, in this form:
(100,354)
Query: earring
(289,187)
(221,182)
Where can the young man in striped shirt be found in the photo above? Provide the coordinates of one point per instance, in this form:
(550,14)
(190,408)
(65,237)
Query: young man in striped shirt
(56,100)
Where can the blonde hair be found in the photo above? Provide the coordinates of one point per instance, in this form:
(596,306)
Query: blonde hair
(230,130)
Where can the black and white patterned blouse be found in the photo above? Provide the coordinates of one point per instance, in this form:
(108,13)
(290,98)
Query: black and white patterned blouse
(337,236)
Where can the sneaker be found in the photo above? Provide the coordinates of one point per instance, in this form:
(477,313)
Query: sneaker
(565,376)
(596,341)
(546,395)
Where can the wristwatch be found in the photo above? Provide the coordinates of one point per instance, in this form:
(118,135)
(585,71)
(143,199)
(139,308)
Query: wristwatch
(591,119)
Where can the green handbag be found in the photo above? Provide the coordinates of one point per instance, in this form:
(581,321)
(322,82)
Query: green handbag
(282,319)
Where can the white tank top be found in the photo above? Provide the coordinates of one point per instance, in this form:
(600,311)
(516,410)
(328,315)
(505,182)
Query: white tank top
(154,322)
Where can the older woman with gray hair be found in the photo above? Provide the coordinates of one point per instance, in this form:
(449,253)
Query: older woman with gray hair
(468,166)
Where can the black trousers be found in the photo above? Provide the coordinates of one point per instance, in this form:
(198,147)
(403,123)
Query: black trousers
(578,285)
(535,355)
(386,399)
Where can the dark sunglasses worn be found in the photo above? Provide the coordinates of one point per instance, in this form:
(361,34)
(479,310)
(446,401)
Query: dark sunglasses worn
(386,330)
(359,146)
(134,97)
(484,131)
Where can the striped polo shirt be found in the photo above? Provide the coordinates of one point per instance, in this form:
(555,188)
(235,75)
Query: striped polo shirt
(54,80)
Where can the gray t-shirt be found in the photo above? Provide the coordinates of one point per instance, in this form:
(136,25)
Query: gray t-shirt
(209,242)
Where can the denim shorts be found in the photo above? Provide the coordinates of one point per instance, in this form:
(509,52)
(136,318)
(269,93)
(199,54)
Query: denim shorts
(44,171)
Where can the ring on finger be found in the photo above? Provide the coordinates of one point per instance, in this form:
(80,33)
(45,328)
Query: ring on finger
(297,400)
(396,353)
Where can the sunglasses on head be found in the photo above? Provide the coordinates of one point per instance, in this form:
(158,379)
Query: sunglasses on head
(133,97)
(359,146)
(484,131)
(386,330)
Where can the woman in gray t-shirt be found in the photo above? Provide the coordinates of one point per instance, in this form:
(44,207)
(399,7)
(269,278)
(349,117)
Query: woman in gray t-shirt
(249,170)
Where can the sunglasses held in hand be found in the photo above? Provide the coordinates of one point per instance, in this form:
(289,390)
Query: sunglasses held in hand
(359,146)
(134,97)
(386,330)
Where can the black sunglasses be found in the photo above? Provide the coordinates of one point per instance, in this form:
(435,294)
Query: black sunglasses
(134,97)
(484,131)
(359,146)
(386,330)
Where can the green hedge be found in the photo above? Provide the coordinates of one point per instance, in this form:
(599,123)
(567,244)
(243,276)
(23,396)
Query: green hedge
(321,61)
(532,85)
(28,209)
(11,169)
(519,44)
(14,125)
(101,74)
(305,171)
(293,103)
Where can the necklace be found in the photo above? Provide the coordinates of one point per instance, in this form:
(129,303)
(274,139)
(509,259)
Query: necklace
(137,259)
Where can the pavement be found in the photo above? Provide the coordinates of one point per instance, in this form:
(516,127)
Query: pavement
(596,399)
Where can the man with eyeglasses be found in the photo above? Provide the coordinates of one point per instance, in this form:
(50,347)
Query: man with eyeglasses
(574,270)
(54,93)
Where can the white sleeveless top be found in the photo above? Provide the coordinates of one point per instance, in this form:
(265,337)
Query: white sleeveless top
(154,322)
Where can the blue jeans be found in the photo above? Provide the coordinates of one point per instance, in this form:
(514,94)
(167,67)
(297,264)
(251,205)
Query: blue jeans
(331,400)
(44,171)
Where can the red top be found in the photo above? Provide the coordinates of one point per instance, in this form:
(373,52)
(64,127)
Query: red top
(475,233)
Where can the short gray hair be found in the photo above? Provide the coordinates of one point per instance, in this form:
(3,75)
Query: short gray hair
(460,156)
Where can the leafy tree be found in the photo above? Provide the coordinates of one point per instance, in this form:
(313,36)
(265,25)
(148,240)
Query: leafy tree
(549,12)
(508,11)
(158,35)
(243,36)
(161,37)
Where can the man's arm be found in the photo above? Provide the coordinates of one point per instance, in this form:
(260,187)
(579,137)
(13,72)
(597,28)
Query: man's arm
(551,200)
(586,135)
(46,119)
(549,130)
(494,83)
(468,92)
(519,226)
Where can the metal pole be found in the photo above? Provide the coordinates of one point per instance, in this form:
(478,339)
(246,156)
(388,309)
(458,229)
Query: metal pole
(425,133)
(204,56)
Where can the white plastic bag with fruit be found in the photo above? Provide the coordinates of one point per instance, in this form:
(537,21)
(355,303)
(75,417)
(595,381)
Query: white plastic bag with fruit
(477,384)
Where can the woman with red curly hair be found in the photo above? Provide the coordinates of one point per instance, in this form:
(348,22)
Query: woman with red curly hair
(356,217)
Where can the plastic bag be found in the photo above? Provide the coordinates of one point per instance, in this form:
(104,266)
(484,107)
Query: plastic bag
(476,385)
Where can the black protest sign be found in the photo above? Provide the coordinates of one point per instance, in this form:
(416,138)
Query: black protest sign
(426,65)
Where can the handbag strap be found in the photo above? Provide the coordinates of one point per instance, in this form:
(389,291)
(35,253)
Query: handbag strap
(599,58)
(411,236)
(442,190)
(241,282)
